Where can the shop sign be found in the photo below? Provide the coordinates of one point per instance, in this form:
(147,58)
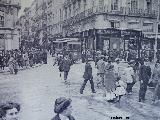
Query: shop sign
(110,32)
(131,33)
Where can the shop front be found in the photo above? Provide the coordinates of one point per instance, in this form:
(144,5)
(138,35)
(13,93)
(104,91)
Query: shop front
(88,43)
(132,43)
(147,51)
(109,41)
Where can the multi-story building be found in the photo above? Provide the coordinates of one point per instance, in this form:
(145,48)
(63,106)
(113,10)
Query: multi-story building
(72,17)
(9,36)
(64,18)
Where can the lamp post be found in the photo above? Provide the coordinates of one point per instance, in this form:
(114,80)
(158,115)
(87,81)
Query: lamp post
(156,37)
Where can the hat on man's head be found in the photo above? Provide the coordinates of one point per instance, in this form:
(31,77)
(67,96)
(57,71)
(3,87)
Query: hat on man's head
(117,59)
(61,104)
(131,62)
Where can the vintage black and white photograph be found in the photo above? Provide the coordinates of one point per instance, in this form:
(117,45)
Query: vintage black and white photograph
(79,59)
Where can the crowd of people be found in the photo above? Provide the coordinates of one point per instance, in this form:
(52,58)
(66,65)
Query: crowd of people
(15,59)
(116,77)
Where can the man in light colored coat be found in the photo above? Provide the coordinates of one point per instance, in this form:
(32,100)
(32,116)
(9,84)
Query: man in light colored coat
(101,69)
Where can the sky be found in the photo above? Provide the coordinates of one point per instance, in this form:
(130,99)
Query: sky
(24,3)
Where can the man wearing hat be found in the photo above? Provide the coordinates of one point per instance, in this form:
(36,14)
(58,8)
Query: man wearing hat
(101,69)
(63,109)
(156,80)
(87,77)
(116,66)
(144,76)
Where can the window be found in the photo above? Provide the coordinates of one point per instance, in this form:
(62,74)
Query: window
(69,11)
(79,6)
(1,21)
(70,46)
(60,45)
(149,5)
(115,24)
(114,5)
(101,2)
(147,27)
(60,12)
(66,13)
(158,28)
(85,4)
(93,3)
(134,5)
(74,8)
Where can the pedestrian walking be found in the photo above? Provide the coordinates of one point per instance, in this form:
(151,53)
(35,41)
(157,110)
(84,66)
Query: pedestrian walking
(63,109)
(87,77)
(101,70)
(9,111)
(131,80)
(60,64)
(156,81)
(15,66)
(144,76)
(44,56)
(11,64)
(116,67)
(121,86)
(109,81)
(66,67)
(2,62)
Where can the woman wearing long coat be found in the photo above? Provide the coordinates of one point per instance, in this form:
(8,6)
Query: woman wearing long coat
(11,64)
(109,78)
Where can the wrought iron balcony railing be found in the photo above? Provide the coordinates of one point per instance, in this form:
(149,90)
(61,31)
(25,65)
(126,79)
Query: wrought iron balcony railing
(106,10)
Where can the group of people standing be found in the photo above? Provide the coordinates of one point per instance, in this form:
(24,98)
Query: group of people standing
(15,59)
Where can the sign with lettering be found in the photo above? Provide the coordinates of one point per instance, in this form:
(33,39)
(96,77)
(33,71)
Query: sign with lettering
(110,32)
(131,33)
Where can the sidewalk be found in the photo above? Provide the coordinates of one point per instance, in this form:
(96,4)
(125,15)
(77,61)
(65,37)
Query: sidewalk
(6,69)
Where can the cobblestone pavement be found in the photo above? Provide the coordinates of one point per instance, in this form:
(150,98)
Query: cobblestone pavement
(37,88)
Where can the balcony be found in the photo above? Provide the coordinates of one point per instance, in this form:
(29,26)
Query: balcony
(123,11)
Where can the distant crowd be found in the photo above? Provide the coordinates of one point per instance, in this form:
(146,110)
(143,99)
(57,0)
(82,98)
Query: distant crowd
(15,59)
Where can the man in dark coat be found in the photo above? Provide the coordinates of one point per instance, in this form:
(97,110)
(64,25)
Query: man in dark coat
(144,76)
(66,67)
(87,77)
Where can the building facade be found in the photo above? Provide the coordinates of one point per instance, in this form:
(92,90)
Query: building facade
(9,35)
(67,18)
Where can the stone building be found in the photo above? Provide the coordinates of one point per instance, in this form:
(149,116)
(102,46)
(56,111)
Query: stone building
(9,36)
(68,18)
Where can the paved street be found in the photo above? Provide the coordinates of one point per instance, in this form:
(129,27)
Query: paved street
(37,88)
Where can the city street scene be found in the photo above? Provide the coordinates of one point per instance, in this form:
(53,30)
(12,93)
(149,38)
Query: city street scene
(79,59)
